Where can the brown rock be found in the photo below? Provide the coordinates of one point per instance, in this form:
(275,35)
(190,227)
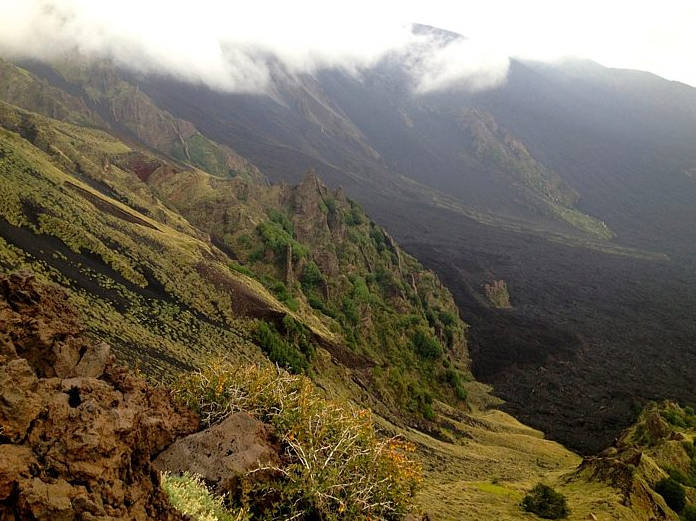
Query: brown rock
(224,453)
(16,462)
(309,221)
(657,427)
(19,402)
(39,323)
(94,361)
(47,501)
(82,431)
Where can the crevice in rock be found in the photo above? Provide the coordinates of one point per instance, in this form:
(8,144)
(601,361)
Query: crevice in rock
(74,399)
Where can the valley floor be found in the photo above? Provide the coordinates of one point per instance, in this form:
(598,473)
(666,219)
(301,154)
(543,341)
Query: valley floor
(494,461)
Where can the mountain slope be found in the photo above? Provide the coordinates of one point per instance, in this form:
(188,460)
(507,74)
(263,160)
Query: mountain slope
(535,172)
(172,264)
(97,215)
(570,161)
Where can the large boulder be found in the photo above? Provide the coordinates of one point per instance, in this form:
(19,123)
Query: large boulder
(77,433)
(225,453)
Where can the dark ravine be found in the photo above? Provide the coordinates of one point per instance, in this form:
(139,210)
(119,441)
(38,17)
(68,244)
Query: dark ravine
(615,339)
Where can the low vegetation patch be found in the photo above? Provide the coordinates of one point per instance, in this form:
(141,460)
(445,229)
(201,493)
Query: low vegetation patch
(293,356)
(678,417)
(545,502)
(338,467)
(189,495)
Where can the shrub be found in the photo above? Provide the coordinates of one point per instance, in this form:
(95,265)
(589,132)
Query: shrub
(292,304)
(350,310)
(282,219)
(279,350)
(673,493)
(300,336)
(456,381)
(447,318)
(280,290)
(235,266)
(337,468)
(355,216)
(378,237)
(678,476)
(425,345)
(545,502)
(311,276)
(679,417)
(189,495)
(315,302)
(421,401)
(276,237)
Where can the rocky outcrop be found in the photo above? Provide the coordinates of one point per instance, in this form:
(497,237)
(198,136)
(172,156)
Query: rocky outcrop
(77,432)
(626,470)
(309,221)
(497,294)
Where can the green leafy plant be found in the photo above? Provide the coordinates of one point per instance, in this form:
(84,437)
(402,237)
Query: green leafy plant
(545,502)
(235,266)
(456,381)
(276,237)
(425,345)
(281,351)
(311,276)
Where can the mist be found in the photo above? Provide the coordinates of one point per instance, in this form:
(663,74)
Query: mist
(237,48)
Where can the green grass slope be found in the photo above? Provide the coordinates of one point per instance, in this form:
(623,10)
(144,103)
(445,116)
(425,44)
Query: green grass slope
(146,281)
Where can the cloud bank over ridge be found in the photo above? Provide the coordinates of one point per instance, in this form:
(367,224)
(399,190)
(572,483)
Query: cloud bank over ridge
(239,47)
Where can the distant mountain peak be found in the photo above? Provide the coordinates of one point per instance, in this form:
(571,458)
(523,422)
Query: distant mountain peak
(429,30)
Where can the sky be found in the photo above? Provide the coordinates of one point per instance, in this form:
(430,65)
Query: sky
(228,44)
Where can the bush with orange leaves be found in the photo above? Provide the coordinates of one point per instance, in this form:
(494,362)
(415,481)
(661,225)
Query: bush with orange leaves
(338,466)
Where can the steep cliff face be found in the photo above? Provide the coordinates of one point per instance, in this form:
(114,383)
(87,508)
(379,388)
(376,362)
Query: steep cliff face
(77,432)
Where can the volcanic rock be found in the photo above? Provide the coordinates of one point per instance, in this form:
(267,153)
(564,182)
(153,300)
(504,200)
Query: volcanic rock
(224,453)
(77,433)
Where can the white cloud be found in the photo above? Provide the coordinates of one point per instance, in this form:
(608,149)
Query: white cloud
(227,43)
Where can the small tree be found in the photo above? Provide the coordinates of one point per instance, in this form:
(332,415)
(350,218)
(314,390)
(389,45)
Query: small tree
(545,502)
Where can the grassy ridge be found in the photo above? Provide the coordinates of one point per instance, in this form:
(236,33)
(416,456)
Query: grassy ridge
(139,286)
